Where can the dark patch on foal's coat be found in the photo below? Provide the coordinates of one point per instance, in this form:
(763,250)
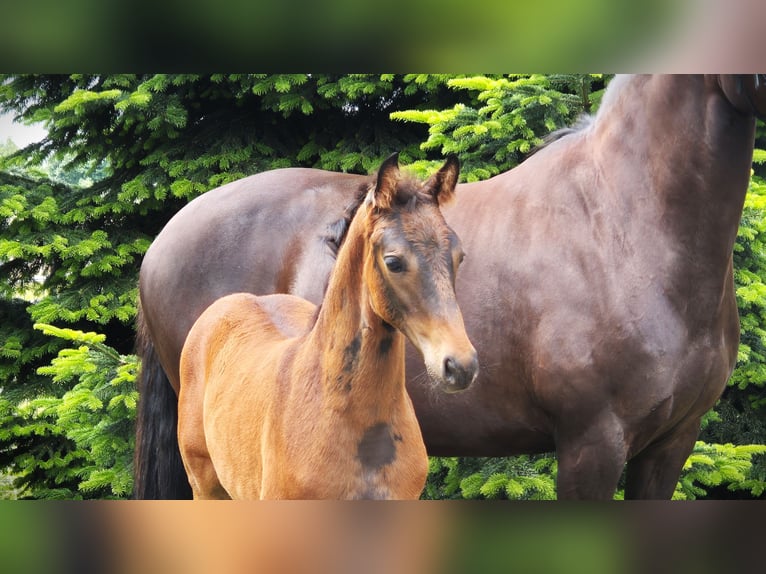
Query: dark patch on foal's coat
(377,448)
(350,361)
(343,383)
(385,344)
(351,353)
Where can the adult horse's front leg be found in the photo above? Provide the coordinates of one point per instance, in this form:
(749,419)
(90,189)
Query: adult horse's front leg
(654,472)
(590,459)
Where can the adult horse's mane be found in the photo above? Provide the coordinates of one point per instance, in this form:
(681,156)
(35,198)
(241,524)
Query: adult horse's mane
(582,123)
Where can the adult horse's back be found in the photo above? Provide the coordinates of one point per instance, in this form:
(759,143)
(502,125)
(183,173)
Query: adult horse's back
(597,286)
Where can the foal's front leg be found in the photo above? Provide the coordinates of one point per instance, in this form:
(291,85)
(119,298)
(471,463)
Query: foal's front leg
(194,452)
(203,478)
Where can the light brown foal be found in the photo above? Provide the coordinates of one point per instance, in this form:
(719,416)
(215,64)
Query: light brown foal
(281,399)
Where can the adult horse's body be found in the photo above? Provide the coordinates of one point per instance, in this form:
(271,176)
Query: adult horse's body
(597,286)
(281,399)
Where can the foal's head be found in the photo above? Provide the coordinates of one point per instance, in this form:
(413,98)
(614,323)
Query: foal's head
(410,265)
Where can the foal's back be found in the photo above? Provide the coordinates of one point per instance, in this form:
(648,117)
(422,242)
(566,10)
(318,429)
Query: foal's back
(263,320)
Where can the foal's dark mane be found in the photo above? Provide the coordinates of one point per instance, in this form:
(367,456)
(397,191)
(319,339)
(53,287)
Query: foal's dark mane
(407,191)
(336,231)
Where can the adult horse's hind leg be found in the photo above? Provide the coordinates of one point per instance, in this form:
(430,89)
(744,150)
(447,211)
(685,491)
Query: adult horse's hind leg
(654,472)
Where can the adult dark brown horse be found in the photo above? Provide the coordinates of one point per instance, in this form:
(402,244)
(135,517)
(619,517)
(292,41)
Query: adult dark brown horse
(597,286)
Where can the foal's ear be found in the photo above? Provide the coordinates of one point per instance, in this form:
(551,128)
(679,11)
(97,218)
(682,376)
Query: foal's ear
(388,176)
(441,185)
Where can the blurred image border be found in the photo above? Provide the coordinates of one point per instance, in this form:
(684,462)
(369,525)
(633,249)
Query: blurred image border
(346,36)
(403,537)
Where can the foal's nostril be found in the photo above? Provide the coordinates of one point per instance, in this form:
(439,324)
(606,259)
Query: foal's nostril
(459,376)
(450,369)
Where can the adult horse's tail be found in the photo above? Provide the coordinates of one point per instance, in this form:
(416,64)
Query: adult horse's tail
(158,470)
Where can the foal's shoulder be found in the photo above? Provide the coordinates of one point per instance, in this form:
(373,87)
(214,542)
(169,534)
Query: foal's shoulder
(291,315)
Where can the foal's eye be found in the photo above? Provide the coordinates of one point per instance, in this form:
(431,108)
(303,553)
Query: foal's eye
(393,263)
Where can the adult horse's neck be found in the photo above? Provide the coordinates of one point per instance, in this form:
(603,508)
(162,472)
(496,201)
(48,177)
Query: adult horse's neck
(362,356)
(679,146)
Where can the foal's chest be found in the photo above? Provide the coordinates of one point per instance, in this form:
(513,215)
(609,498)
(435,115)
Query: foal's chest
(376,463)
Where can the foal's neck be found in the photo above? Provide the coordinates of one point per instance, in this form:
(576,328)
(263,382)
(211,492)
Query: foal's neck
(362,357)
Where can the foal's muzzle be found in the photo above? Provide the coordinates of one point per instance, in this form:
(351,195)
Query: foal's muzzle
(459,374)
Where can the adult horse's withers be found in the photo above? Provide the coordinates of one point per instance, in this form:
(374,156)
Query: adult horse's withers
(597,286)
